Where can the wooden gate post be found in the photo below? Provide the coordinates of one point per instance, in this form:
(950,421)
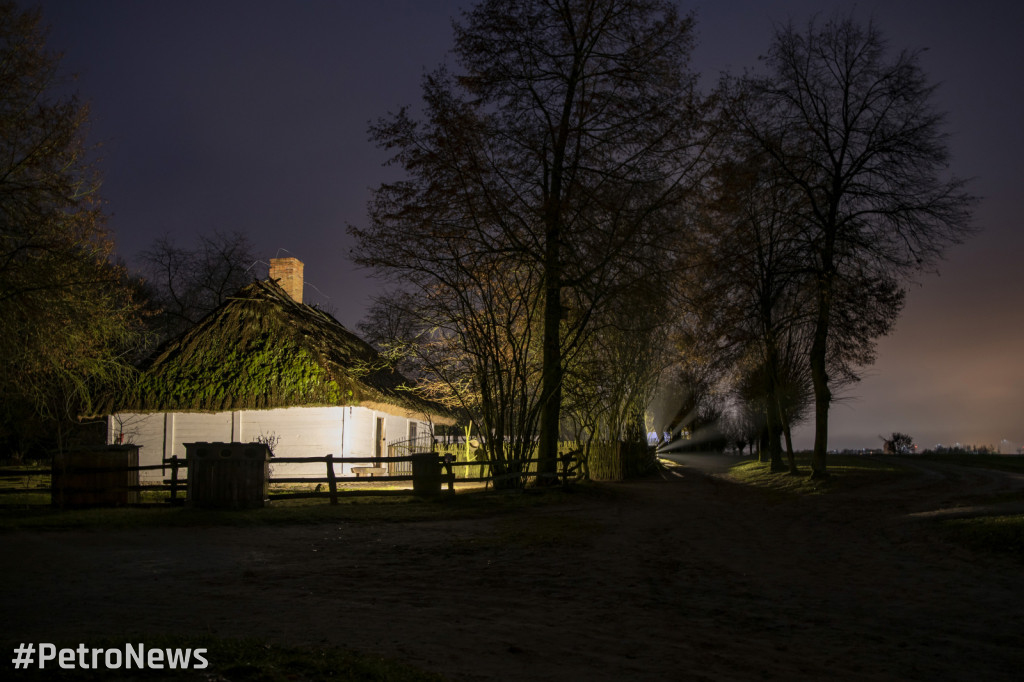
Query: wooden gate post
(174,479)
(332,482)
(449,474)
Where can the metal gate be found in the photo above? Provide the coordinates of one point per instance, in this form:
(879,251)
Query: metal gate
(404,448)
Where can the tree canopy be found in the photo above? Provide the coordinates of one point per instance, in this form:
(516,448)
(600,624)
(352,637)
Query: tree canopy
(852,130)
(68,320)
(539,183)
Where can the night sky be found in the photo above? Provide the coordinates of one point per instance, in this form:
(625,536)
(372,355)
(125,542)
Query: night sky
(252,116)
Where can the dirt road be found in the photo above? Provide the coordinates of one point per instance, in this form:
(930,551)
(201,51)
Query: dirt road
(685,576)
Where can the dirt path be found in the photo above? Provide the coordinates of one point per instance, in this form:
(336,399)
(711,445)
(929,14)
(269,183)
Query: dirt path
(681,577)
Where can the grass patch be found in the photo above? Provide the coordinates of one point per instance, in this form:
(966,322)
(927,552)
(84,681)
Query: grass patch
(25,478)
(241,660)
(25,499)
(1011,463)
(994,534)
(363,509)
(24,475)
(846,473)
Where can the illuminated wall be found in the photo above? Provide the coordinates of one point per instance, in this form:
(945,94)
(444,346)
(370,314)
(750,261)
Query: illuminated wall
(294,431)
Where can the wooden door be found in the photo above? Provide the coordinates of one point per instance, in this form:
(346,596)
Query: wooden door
(379,448)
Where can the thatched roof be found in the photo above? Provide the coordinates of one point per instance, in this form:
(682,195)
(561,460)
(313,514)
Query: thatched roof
(259,350)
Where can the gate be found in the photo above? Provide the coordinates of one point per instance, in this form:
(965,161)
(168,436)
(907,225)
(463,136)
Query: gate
(404,448)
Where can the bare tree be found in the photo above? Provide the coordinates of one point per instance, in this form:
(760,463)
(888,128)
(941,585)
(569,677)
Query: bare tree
(747,280)
(610,384)
(559,147)
(471,346)
(855,131)
(185,285)
(898,444)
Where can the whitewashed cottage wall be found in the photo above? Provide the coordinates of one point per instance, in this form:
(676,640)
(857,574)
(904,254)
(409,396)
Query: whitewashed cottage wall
(359,440)
(297,432)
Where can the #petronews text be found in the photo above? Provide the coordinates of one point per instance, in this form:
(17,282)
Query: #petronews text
(133,656)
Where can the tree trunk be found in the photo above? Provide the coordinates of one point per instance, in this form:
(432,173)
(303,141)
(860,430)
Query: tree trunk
(819,378)
(789,444)
(551,382)
(772,416)
(775,443)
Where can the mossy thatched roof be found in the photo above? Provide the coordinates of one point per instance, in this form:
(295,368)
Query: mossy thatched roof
(260,350)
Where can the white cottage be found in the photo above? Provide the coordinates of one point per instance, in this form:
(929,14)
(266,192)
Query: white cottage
(266,367)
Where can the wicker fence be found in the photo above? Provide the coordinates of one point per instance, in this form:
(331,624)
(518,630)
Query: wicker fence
(617,461)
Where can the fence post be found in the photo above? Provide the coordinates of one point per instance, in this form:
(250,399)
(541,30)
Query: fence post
(174,479)
(331,480)
(57,473)
(450,475)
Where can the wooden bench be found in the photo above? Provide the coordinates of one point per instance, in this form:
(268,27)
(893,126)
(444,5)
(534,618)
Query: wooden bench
(369,471)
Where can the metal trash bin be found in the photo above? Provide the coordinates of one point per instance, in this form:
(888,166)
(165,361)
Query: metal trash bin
(228,475)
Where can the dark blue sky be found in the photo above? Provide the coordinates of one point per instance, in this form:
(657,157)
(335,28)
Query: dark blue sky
(252,116)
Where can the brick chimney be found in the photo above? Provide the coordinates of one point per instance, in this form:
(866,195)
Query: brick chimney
(289,272)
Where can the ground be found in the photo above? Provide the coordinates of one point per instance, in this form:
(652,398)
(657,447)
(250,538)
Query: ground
(683,576)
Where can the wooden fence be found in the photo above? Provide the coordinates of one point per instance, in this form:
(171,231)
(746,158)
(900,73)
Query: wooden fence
(67,481)
(608,462)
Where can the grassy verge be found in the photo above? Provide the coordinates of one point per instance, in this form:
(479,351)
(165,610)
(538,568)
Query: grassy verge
(846,473)
(238,660)
(366,509)
(993,534)
(1011,463)
(32,477)
(998,534)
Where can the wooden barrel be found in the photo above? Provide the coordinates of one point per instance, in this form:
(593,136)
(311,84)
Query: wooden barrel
(228,475)
(426,474)
(97,477)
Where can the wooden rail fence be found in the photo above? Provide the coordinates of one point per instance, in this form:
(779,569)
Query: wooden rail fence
(176,484)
